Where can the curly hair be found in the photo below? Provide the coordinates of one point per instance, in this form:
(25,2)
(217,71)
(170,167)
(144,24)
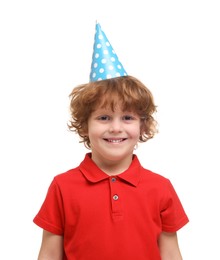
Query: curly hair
(132,94)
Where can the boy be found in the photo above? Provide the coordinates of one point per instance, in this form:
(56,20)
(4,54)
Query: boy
(110,207)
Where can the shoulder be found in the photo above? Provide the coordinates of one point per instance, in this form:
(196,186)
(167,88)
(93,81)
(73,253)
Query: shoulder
(68,176)
(155,181)
(153,176)
(145,172)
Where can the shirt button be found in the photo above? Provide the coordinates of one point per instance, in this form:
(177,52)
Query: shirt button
(115,197)
(113,179)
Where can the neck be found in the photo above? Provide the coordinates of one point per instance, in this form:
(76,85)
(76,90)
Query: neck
(113,167)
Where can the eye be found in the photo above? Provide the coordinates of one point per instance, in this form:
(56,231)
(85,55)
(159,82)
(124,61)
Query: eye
(128,118)
(103,118)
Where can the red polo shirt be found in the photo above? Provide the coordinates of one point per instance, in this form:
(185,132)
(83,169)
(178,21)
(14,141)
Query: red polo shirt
(105,217)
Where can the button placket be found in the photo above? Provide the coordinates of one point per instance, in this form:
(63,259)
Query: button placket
(113,179)
(115,198)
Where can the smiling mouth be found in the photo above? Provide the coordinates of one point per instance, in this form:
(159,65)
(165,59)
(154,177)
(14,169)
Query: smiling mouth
(110,140)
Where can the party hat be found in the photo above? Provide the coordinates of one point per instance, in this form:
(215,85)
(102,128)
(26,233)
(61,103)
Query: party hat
(105,62)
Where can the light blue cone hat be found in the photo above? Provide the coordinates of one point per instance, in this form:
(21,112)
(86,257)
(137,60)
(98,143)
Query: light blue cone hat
(105,62)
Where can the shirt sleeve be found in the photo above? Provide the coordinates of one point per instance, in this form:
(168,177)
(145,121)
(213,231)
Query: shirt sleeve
(172,213)
(50,216)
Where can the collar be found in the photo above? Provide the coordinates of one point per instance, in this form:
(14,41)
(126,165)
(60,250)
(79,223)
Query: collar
(94,174)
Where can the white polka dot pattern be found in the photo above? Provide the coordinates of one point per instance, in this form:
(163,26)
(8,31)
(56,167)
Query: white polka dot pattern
(105,62)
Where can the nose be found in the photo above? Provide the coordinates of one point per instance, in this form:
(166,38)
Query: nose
(115,126)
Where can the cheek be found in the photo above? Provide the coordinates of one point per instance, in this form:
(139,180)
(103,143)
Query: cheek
(93,131)
(135,131)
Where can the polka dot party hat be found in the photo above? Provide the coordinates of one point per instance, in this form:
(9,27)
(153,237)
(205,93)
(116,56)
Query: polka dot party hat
(105,62)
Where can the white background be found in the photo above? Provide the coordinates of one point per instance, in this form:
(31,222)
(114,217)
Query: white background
(45,51)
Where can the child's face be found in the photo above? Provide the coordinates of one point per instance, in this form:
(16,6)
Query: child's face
(113,134)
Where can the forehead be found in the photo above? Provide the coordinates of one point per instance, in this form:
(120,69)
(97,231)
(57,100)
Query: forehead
(117,111)
(114,103)
(107,109)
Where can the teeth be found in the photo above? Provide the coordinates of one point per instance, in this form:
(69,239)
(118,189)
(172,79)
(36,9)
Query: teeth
(115,140)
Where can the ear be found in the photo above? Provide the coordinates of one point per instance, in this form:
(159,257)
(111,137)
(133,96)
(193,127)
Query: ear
(84,130)
(84,134)
(142,128)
